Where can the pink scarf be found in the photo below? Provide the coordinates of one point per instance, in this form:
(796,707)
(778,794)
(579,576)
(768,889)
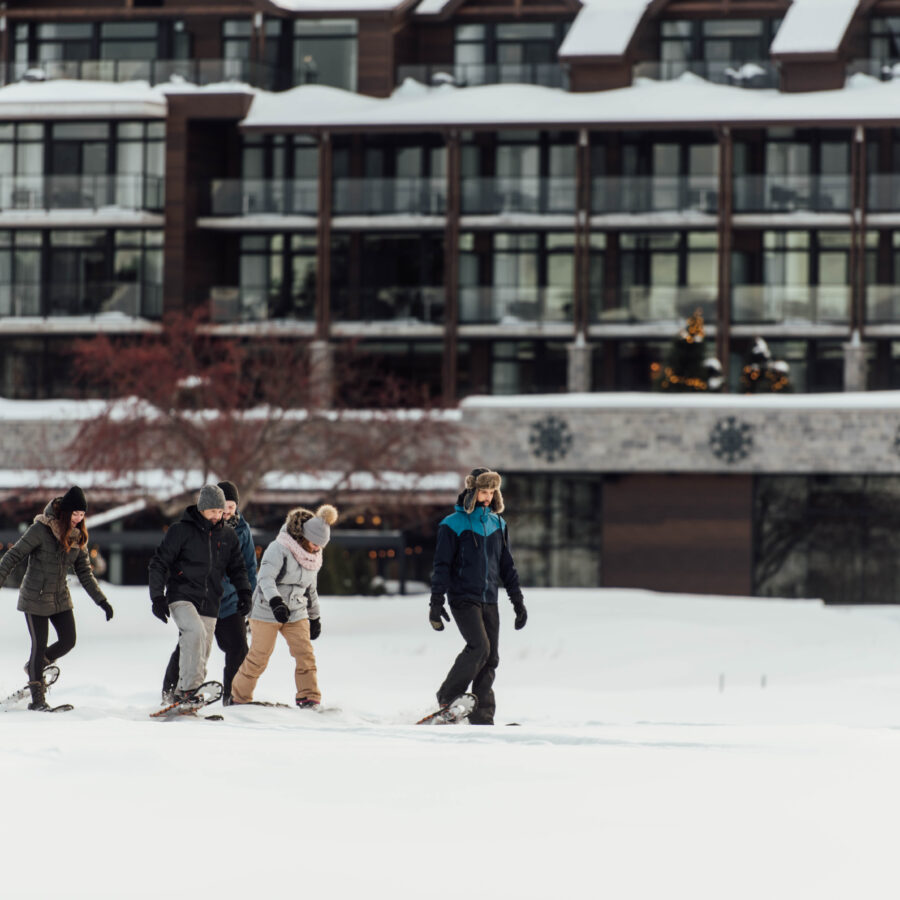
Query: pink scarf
(311,561)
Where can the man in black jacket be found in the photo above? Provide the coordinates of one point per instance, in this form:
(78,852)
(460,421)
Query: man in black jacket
(186,581)
(471,560)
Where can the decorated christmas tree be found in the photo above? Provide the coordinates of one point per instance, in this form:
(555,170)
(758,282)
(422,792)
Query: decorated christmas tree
(687,367)
(763,375)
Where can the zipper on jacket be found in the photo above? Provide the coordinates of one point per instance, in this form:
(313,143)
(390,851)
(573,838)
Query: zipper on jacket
(484,529)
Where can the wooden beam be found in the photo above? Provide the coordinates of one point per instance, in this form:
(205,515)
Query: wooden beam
(450,365)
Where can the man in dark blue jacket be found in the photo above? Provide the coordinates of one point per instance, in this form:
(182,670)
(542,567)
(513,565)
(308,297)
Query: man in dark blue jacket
(471,561)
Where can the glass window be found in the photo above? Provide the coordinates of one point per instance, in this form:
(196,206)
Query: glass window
(325,52)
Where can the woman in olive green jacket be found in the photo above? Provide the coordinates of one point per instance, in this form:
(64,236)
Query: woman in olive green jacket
(57,539)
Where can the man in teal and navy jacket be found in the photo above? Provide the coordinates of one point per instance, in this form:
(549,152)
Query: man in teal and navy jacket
(471,561)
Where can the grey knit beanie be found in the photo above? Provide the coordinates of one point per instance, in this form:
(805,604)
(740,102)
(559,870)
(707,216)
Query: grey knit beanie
(316,531)
(211,497)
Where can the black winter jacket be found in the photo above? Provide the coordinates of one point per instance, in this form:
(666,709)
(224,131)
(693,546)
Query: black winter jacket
(191,560)
(44,590)
(472,558)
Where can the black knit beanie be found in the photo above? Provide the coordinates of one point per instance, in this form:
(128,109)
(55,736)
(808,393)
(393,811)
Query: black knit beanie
(73,500)
(229,489)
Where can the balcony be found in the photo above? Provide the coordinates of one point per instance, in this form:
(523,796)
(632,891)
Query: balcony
(786,304)
(505,196)
(154,71)
(390,196)
(472,74)
(884,69)
(654,193)
(883,193)
(49,192)
(252,304)
(655,303)
(259,196)
(791,193)
(397,304)
(509,305)
(755,74)
(128,298)
(883,304)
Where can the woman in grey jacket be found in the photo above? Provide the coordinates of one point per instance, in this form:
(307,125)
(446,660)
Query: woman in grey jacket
(56,540)
(286,601)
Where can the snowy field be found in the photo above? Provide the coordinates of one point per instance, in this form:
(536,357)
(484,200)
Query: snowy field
(669,746)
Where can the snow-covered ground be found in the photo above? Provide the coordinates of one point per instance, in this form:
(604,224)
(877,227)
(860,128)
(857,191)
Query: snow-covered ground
(669,746)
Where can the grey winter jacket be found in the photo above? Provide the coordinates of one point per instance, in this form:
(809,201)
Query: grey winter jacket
(280,573)
(44,590)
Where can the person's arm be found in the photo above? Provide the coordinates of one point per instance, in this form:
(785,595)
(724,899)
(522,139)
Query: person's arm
(444,554)
(248,550)
(163,562)
(21,550)
(82,567)
(510,578)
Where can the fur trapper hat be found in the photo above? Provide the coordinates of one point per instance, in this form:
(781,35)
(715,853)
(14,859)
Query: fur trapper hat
(481,479)
(314,526)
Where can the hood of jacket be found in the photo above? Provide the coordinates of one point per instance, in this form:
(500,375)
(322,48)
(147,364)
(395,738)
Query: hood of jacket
(48,518)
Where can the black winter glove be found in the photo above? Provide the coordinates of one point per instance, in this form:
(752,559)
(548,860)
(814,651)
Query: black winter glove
(436,612)
(279,610)
(245,604)
(106,609)
(160,608)
(315,628)
(520,611)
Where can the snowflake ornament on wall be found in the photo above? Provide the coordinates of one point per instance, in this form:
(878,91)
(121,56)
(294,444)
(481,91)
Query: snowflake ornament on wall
(730,440)
(550,438)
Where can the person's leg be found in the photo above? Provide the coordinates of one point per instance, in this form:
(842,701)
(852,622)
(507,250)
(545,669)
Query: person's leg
(262,643)
(231,636)
(170,679)
(195,637)
(38,628)
(305,677)
(483,682)
(64,625)
(474,655)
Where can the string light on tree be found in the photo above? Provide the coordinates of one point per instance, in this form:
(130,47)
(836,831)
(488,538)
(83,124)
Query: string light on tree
(687,367)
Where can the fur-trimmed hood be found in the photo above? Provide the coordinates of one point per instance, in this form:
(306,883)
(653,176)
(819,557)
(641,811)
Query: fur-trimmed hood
(481,479)
(49,517)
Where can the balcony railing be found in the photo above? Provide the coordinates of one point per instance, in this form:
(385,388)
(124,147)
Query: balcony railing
(654,193)
(500,196)
(883,193)
(883,304)
(90,299)
(791,193)
(509,305)
(263,196)
(397,304)
(472,74)
(885,69)
(235,304)
(386,196)
(46,192)
(155,71)
(753,74)
(654,303)
(784,304)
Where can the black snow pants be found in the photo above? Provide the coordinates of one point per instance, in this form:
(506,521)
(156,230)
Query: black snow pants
(231,636)
(39,629)
(479,624)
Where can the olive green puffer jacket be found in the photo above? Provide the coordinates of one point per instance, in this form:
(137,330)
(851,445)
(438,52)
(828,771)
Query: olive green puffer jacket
(44,590)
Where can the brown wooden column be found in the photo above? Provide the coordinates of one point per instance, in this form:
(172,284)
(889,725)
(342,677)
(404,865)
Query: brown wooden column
(858,204)
(582,285)
(323,240)
(451,270)
(724,230)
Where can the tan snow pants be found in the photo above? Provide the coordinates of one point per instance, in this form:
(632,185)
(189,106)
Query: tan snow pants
(262,643)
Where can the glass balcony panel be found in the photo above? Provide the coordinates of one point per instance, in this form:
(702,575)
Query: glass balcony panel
(81,192)
(649,303)
(499,196)
(260,196)
(758,303)
(654,193)
(883,193)
(792,193)
(390,196)
(883,304)
(473,74)
(90,298)
(509,305)
(424,304)
(746,74)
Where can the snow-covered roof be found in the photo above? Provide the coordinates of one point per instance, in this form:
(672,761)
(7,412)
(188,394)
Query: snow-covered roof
(814,26)
(686,100)
(325,7)
(603,28)
(432,7)
(71,99)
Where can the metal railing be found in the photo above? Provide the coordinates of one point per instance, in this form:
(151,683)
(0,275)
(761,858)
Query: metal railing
(154,71)
(503,195)
(384,196)
(748,74)
(257,196)
(652,303)
(508,305)
(783,304)
(235,304)
(58,298)
(654,193)
(473,74)
(46,192)
(791,193)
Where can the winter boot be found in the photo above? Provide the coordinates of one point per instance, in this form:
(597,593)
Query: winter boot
(306,703)
(38,695)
